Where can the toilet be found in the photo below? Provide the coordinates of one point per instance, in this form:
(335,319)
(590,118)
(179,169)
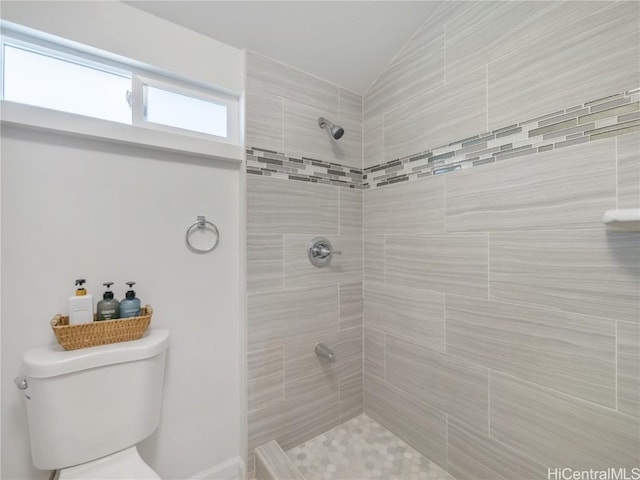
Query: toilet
(87,409)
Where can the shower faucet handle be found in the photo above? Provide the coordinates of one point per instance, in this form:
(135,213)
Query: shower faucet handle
(320,251)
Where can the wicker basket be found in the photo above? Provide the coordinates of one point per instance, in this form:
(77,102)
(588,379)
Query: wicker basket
(83,335)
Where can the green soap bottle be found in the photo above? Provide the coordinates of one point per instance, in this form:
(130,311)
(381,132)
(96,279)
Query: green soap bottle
(108,307)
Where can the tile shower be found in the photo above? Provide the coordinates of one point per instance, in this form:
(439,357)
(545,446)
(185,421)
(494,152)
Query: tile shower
(480,310)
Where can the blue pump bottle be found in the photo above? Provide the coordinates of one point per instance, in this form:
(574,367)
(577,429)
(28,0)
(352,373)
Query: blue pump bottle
(130,305)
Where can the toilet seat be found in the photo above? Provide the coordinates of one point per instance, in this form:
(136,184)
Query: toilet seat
(124,465)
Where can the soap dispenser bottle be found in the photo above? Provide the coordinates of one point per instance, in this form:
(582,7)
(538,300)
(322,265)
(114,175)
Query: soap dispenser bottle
(80,305)
(130,305)
(108,307)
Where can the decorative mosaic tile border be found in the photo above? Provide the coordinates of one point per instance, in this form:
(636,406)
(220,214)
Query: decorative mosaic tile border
(606,117)
(279,165)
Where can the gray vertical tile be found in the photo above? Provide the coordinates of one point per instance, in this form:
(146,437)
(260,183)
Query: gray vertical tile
(264,121)
(267,75)
(420,425)
(583,271)
(278,317)
(629,368)
(418,66)
(296,420)
(561,431)
(372,141)
(303,136)
(570,353)
(373,352)
(558,70)
(282,206)
(490,30)
(373,258)
(350,211)
(450,384)
(350,105)
(409,313)
(566,188)
(265,377)
(299,271)
(413,207)
(351,305)
(452,263)
(476,456)
(456,110)
(264,262)
(351,397)
(629,171)
(306,372)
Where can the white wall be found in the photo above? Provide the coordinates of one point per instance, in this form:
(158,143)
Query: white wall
(75,207)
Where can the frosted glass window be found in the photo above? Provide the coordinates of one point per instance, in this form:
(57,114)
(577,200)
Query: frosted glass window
(182,111)
(44,81)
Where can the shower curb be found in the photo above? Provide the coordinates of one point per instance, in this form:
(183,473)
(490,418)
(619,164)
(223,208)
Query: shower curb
(273,464)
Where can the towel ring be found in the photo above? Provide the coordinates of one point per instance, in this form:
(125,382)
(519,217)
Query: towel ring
(201,224)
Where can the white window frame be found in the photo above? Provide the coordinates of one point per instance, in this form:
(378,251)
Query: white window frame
(139,104)
(139,78)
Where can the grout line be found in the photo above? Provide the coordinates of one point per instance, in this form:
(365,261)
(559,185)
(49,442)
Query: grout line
(446,441)
(284,356)
(616,361)
(617,166)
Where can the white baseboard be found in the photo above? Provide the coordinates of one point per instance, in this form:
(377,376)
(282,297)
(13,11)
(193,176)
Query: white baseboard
(232,469)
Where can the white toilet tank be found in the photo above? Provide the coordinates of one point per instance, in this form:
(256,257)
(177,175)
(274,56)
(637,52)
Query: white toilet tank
(89,403)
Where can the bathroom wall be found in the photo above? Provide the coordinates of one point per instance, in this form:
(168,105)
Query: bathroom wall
(74,207)
(501,318)
(300,184)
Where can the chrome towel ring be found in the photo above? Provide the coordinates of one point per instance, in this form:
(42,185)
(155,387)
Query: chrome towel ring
(201,224)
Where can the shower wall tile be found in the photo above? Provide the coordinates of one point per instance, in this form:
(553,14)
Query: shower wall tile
(303,136)
(559,430)
(571,353)
(418,66)
(488,31)
(567,188)
(281,206)
(456,110)
(350,211)
(420,425)
(278,317)
(476,456)
(298,270)
(629,171)
(452,263)
(350,105)
(372,141)
(305,372)
(450,384)
(351,305)
(583,271)
(408,313)
(559,69)
(264,262)
(265,377)
(264,74)
(351,396)
(416,207)
(629,368)
(264,124)
(295,420)
(373,352)
(373,258)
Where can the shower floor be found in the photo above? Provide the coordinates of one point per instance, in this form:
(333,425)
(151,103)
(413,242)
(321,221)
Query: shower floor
(362,449)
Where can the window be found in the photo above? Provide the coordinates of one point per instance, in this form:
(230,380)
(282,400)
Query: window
(45,77)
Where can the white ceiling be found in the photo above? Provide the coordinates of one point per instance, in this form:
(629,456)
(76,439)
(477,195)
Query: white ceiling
(345,42)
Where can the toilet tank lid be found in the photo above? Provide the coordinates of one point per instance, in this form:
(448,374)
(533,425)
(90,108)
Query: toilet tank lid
(53,360)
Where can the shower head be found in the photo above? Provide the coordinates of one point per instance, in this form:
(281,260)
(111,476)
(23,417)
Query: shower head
(336,131)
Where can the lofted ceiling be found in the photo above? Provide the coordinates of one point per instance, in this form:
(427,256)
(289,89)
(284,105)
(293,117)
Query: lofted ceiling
(345,42)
